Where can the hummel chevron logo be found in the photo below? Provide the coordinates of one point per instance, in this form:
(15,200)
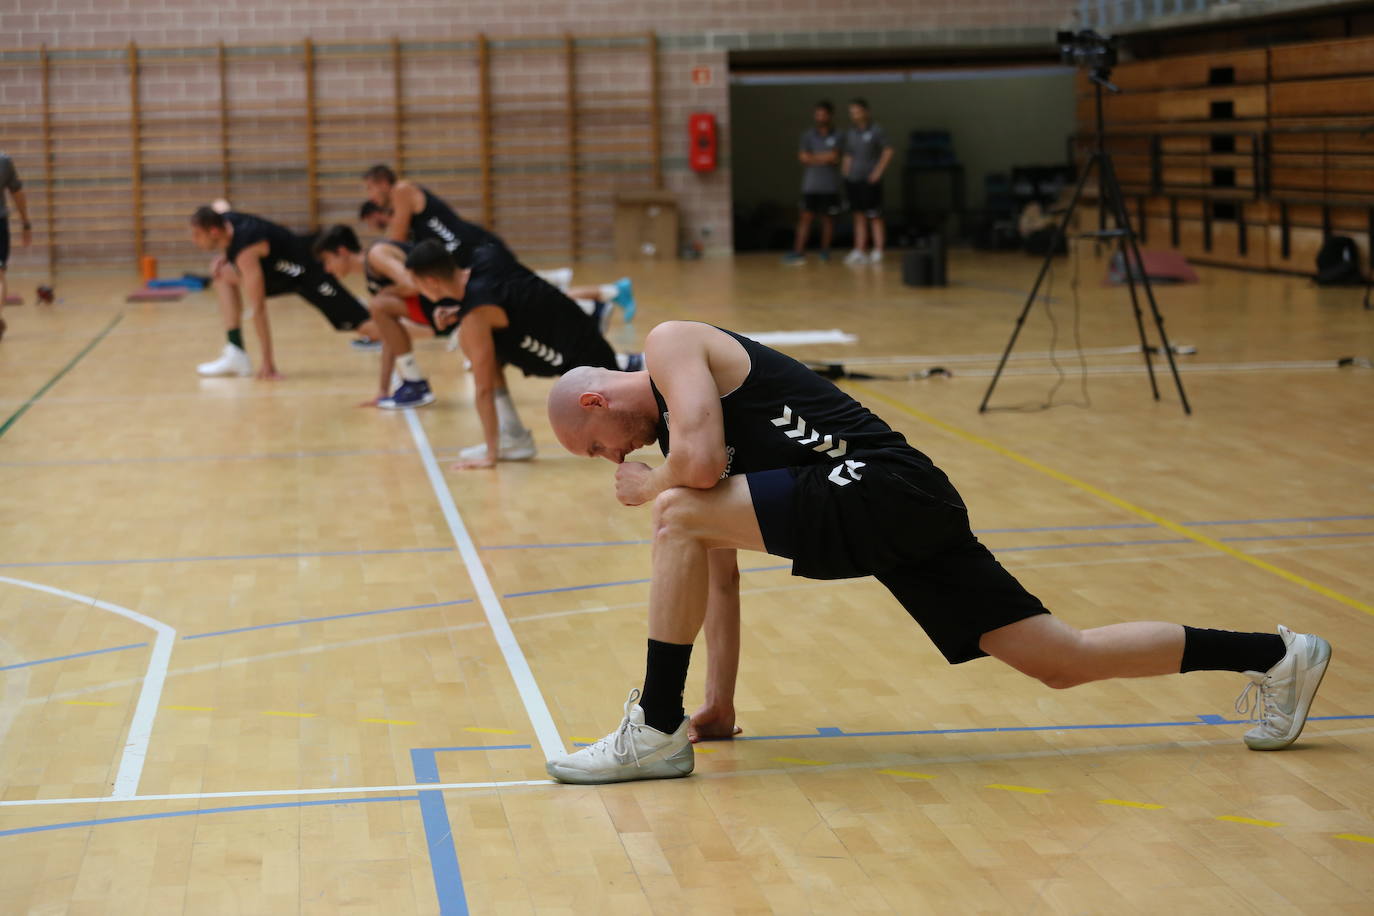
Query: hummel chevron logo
(814,439)
(546,353)
(837,474)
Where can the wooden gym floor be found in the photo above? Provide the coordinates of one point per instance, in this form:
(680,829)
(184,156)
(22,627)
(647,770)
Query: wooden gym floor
(248,669)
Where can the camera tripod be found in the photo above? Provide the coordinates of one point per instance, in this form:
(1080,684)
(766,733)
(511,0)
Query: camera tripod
(1109,199)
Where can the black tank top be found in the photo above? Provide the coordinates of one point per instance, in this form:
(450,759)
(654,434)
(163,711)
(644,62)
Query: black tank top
(378,281)
(784,415)
(548,333)
(286,252)
(437,220)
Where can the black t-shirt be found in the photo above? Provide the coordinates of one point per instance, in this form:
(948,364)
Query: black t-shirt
(784,415)
(437,220)
(287,253)
(379,281)
(548,333)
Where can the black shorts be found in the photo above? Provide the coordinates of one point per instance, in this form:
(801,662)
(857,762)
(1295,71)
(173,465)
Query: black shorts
(908,529)
(4,243)
(829,204)
(318,287)
(865,197)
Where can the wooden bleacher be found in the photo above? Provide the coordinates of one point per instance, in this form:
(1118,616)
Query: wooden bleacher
(1248,158)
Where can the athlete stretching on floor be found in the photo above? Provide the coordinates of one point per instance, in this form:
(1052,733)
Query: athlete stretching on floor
(260,259)
(766,455)
(509,316)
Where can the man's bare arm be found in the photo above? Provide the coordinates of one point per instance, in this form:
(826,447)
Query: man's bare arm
(680,355)
(475,337)
(716,717)
(390,262)
(254,288)
(403,207)
(21,203)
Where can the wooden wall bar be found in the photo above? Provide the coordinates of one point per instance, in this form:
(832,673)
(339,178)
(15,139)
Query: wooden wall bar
(532,136)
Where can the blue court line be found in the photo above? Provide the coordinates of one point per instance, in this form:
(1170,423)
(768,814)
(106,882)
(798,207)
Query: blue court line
(443,854)
(1272,521)
(828,731)
(87,462)
(63,658)
(99,822)
(982,531)
(995,550)
(580,588)
(246,556)
(299,621)
(566,544)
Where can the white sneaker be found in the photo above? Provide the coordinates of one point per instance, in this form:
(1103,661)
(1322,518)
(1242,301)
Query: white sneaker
(232,361)
(632,751)
(518,447)
(875,257)
(1284,692)
(856,257)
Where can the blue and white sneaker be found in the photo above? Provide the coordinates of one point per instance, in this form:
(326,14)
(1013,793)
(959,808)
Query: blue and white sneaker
(410,394)
(629,362)
(366,344)
(601,314)
(625,298)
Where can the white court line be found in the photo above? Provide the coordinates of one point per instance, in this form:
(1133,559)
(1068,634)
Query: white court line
(275,793)
(535,707)
(145,710)
(885,760)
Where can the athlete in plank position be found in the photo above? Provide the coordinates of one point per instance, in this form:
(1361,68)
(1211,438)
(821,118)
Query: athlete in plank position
(508,315)
(414,214)
(766,455)
(259,259)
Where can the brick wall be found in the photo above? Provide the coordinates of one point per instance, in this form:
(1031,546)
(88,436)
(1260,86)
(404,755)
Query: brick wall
(530,208)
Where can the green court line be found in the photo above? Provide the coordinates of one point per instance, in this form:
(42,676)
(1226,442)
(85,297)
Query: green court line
(58,377)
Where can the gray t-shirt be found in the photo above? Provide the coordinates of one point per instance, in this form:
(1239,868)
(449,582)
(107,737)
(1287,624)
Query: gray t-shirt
(866,146)
(821,179)
(9,181)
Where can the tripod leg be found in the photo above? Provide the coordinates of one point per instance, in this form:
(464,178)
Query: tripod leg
(1059,233)
(1131,260)
(1130,239)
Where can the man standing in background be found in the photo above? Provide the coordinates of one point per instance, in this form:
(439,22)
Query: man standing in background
(9,181)
(820,156)
(866,155)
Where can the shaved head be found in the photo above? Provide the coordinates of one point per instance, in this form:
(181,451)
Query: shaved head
(600,413)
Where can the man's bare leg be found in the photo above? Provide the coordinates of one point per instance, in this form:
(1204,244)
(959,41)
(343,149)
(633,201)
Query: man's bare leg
(827,232)
(1060,656)
(879,234)
(803,232)
(230,302)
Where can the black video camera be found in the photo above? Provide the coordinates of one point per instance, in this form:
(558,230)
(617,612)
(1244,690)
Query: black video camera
(1088,50)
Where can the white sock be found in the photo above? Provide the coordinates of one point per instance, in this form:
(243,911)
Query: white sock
(608,292)
(408,368)
(622,361)
(506,417)
(587,305)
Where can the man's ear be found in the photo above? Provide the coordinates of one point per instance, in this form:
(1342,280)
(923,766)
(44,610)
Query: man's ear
(590,399)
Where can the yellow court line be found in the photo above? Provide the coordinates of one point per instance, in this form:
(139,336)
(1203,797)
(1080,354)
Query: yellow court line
(1117,501)
(1148,806)
(1029,790)
(1356,837)
(906,773)
(1249,820)
(704,750)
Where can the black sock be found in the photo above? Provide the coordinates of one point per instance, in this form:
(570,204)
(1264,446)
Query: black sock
(1226,650)
(236,337)
(665,678)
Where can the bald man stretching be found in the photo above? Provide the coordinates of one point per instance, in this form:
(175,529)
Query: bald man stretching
(766,455)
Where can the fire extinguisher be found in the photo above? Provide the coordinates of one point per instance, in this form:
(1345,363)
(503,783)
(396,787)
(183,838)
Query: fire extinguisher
(701,134)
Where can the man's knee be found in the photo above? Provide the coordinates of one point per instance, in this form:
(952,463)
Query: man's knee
(677,512)
(1056,657)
